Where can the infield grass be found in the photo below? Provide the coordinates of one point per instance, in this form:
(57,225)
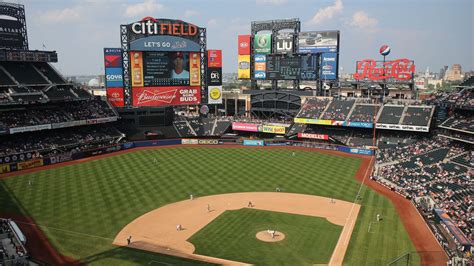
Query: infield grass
(308,239)
(82,207)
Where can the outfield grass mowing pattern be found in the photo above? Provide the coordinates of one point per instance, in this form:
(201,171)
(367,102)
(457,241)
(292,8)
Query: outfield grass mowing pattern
(100,197)
(308,239)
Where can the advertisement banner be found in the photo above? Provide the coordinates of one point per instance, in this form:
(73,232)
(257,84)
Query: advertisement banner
(214,94)
(214,58)
(359,124)
(260,66)
(115,96)
(396,70)
(69,124)
(189,141)
(113,77)
(284,42)
(136,65)
(101,120)
(163,96)
(403,127)
(244,44)
(313,121)
(4,168)
(29,128)
(272,129)
(208,142)
(251,142)
(243,72)
(195,69)
(30,164)
(318,42)
(214,76)
(244,127)
(329,66)
(313,136)
(112,57)
(164,43)
(262,44)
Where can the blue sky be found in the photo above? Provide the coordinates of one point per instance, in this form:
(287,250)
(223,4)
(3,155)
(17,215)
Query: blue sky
(431,32)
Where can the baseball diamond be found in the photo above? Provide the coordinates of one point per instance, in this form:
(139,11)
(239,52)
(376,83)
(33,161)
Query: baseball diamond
(101,195)
(260,145)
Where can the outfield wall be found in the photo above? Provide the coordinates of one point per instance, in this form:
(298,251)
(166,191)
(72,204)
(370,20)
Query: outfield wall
(70,156)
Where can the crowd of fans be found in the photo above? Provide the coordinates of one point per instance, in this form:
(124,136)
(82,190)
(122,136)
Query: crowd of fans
(338,110)
(313,107)
(364,113)
(12,251)
(63,112)
(460,122)
(43,143)
(202,126)
(432,167)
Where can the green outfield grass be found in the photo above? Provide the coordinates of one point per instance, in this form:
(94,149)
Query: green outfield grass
(308,240)
(82,207)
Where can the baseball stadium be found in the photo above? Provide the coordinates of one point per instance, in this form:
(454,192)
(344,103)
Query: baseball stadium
(169,167)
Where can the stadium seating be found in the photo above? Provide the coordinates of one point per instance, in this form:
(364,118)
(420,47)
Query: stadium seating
(417,116)
(460,123)
(390,114)
(313,108)
(24,73)
(364,113)
(338,110)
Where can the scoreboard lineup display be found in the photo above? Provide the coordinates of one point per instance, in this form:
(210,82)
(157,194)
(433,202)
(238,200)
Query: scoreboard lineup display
(291,67)
(307,55)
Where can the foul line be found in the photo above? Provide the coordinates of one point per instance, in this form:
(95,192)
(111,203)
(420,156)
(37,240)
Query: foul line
(63,230)
(358,194)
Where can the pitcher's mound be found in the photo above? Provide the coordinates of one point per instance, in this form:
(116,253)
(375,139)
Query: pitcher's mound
(267,237)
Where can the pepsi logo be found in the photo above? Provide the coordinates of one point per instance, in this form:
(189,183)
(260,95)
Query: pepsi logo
(384,50)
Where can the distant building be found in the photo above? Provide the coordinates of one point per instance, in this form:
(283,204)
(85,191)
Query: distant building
(442,72)
(455,73)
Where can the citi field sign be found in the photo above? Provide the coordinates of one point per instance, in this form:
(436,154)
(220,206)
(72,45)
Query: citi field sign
(153,26)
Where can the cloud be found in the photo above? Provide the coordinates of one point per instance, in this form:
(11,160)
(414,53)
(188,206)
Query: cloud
(212,23)
(189,13)
(61,15)
(271,2)
(361,20)
(145,8)
(326,13)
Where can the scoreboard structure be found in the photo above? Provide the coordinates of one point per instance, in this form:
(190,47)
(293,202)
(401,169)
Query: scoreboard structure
(162,62)
(277,50)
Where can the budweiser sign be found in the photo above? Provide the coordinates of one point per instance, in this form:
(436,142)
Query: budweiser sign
(156,96)
(160,96)
(400,69)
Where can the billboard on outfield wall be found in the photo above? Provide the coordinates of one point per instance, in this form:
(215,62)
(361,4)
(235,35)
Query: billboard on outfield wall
(136,65)
(4,168)
(318,41)
(30,164)
(115,96)
(262,43)
(251,142)
(244,44)
(214,58)
(163,96)
(284,42)
(312,136)
(214,95)
(274,129)
(243,71)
